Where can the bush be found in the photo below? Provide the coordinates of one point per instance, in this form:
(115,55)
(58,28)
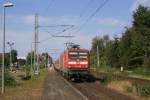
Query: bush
(141,90)
(141,71)
(27,76)
(105,79)
(129,89)
(146,63)
(42,66)
(9,80)
(145,91)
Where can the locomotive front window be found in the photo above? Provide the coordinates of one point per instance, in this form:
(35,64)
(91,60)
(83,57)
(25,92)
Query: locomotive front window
(83,55)
(78,55)
(73,55)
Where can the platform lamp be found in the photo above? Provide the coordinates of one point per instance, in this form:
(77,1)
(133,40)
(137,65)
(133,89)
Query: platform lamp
(6,5)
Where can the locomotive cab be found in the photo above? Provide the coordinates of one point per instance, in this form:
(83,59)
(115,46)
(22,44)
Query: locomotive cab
(77,63)
(74,63)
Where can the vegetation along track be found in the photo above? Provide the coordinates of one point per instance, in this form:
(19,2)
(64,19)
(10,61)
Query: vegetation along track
(96,91)
(100,75)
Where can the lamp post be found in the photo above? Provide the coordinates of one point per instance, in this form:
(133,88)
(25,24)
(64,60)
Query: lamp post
(10,45)
(6,5)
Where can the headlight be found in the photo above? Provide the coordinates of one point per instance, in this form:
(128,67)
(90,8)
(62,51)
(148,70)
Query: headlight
(84,62)
(72,62)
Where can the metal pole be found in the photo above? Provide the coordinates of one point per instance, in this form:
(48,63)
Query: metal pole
(59,62)
(37,42)
(35,46)
(98,64)
(10,57)
(48,61)
(36,56)
(31,59)
(45,60)
(3,58)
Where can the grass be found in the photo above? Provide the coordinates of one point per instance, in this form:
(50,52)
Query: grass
(137,72)
(28,89)
(140,73)
(139,92)
(33,82)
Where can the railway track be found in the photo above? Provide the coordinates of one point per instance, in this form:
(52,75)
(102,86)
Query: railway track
(140,81)
(96,91)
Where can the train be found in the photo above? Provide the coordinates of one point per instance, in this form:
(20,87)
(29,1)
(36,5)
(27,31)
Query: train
(74,63)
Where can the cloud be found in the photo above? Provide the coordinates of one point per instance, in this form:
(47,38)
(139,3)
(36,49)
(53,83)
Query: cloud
(111,22)
(136,3)
(70,20)
(29,19)
(21,39)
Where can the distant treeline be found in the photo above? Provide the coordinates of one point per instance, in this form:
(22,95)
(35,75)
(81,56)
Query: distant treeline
(132,50)
(7,58)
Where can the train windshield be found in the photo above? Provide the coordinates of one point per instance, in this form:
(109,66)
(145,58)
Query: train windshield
(78,55)
(73,55)
(83,55)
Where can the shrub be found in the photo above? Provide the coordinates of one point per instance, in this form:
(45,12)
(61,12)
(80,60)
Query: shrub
(27,76)
(129,89)
(142,71)
(105,79)
(141,90)
(9,80)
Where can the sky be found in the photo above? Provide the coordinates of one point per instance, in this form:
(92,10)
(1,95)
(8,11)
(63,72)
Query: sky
(110,20)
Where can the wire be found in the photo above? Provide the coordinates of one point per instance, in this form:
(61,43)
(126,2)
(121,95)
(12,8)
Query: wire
(58,26)
(93,14)
(83,12)
(51,36)
(49,5)
(58,33)
(97,10)
(85,8)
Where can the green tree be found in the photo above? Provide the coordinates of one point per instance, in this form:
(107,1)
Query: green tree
(113,55)
(46,59)
(28,58)
(14,55)
(141,17)
(102,44)
(7,59)
(132,50)
(135,42)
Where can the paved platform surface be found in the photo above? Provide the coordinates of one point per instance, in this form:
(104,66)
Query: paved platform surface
(56,88)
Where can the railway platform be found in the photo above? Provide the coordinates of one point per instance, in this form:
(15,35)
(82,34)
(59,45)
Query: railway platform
(57,88)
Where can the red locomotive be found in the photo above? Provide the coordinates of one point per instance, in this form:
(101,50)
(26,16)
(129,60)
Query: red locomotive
(73,63)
